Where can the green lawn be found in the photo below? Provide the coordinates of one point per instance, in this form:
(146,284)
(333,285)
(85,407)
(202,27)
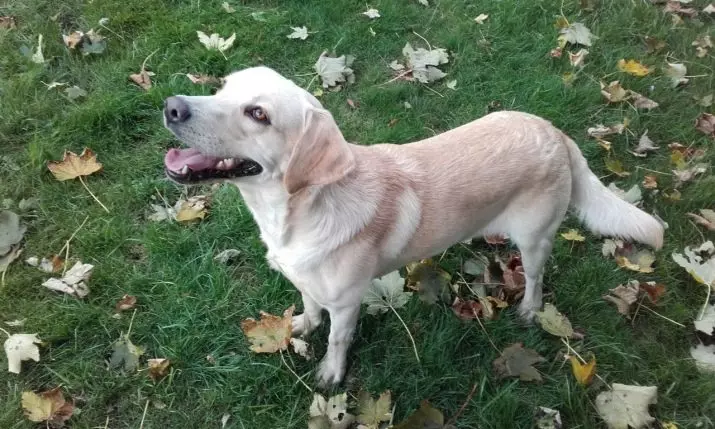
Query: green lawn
(190,307)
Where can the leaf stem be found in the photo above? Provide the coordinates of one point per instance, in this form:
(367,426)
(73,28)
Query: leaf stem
(294,373)
(464,405)
(93,196)
(705,305)
(141,424)
(66,247)
(131,322)
(5,332)
(414,346)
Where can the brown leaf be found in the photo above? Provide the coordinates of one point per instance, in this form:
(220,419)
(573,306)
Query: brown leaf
(613,92)
(615,166)
(675,6)
(706,123)
(645,145)
(706,218)
(191,209)
(393,122)
(514,279)
(653,290)
(352,103)
(49,406)
(686,153)
(702,44)
(642,102)
(650,182)
(624,296)
(143,78)
(73,166)
(556,52)
(8,22)
(126,303)
(158,368)
(654,45)
(516,361)
(495,239)
(466,310)
(74,39)
(688,174)
(600,131)
(271,333)
(202,79)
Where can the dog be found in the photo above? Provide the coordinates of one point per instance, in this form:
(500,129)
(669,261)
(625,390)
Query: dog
(335,215)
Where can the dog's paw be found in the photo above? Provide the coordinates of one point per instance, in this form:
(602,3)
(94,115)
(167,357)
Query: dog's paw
(329,373)
(300,325)
(527,312)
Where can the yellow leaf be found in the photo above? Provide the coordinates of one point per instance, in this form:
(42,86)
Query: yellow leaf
(641,262)
(73,166)
(633,67)
(668,425)
(191,209)
(616,167)
(650,182)
(47,406)
(583,373)
(573,235)
(271,333)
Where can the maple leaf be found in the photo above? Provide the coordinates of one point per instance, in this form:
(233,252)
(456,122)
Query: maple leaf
(640,261)
(706,123)
(554,322)
(466,310)
(386,292)
(93,43)
(577,59)
(547,418)
(615,166)
(143,78)
(481,18)
(704,353)
(227,255)
(626,406)
(706,218)
(424,63)
(514,280)
(75,92)
(73,282)
(335,70)
(158,368)
(372,13)
(583,372)
(602,131)
(429,280)
(645,145)
(371,412)
(614,92)
(20,347)
(12,232)
(202,79)
(126,303)
(576,34)
(633,68)
(573,235)
(426,417)
(676,73)
(517,361)
(702,44)
(271,333)
(676,7)
(298,33)
(633,195)
(650,182)
(699,263)
(227,7)
(705,100)
(641,102)
(625,296)
(73,166)
(216,42)
(49,406)
(125,354)
(191,209)
(331,413)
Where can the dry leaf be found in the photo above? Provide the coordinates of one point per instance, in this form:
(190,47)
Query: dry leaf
(547,418)
(385,293)
(301,347)
(706,218)
(73,40)
(227,7)
(334,70)
(73,166)
(654,45)
(216,42)
(271,333)
(331,413)
(706,123)
(625,406)
(299,33)
(640,261)
(641,102)
(676,73)
(650,182)
(75,92)
(705,100)
(516,361)
(573,235)
(633,68)
(613,92)
(653,290)
(426,417)
(371,412)
(49,406)
(424,63)
(372,13)
(466,310)
(8,22)
(600,131)
(616,167)
(12,232)
(126,303)
(37,56)
(143,78)
(699,263)
(633,195)
(191,209)
(709,9)
(227,255)
(688,174)
(431,282)
(45,265)
(20,347)
(702,44)
(676,7)
(583,372)
(452,84)
(73,282)
(645,145)
(576,34)
(554,322)
(158,368)
(203,79)
(125,354)
(577,59)
(481,18)
(556,52)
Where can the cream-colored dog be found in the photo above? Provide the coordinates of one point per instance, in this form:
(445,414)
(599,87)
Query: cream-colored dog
(334,215)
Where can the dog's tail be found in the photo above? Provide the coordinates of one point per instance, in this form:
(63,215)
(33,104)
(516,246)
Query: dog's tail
(604,212)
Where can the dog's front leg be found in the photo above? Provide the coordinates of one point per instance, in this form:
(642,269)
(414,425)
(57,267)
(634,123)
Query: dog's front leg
(342,326)
(304,324)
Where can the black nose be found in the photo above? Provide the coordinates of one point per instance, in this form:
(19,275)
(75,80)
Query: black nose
(176,110)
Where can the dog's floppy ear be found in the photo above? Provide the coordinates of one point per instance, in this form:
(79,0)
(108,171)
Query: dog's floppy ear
(320,155)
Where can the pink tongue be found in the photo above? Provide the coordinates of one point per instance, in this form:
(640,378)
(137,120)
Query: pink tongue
(176,159)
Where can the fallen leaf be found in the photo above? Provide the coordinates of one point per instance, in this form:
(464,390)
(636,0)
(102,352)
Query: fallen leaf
(641,102)
(650,182)
(46,265)
(702,44)
(259,16)
(577,59)
(481,18)
(654,44)
(688,174)
(334,70)
(705,100)
(556,52)
(301,347)
(466,310)
(143,78)
(424,3)
(407,105)
(452,84)
(675,6)
(423,63)
(611,246)
(514,279)
(640,261)
(429,281)
(16,322)
(12,232)
(216,42)
(706,218)
(227,7)
(371,412)
(224,420)
(547,418)
(298,33)
(516,361)
(706,123)
(93,43)
(496,239)
(73,282)
(645,145)
(676,73)
(633,68)
(75,92)
(386,292)
(554,322)
(20,347)
(331,413)
(699,263)
(573,235)
(352,104)
(633,195)
(613,92)
(624,296)
(626,406)
(372,13)
(616,167)
(709,9)
(704,357)
(576,34)
(475,267)
(271,333)
(600,131)
(125,354)
(191,209)
(37,56)
(8,22)
(158,368)
(653,290)
(49,406)
(227,255)
(426,417)
(126,303)
(202,79)
(73,166)
(583,372)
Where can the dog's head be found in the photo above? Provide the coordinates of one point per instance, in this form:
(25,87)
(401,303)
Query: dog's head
(259,126)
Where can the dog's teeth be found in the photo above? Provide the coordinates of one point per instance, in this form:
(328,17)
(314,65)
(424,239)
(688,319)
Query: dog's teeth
(185,170)
(220,165)
(229,162)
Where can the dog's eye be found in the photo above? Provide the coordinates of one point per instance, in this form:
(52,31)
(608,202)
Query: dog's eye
(258,114)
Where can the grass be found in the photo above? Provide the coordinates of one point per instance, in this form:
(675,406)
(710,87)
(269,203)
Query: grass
(190,307)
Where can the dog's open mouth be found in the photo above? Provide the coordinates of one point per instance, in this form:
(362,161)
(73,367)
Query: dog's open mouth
(191,166)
